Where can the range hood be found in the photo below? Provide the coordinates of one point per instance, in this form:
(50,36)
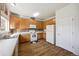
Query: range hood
(32,27)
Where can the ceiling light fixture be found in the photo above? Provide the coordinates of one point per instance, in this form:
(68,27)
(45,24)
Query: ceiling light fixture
(13,4)
(36,14)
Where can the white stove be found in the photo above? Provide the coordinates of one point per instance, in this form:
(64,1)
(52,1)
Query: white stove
(33,35)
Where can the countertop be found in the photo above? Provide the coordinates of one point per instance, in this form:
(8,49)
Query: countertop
(17,33)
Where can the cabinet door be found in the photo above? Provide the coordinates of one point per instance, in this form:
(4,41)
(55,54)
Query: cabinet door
(39,25)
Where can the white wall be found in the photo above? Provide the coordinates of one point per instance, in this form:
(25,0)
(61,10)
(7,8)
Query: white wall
(67,28)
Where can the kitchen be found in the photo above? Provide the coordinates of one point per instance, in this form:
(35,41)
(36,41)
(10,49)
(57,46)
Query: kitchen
(33,26)
(27,25)
(21,29)
(36,29)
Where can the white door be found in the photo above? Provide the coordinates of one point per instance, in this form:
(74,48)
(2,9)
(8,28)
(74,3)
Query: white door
(64,33)
(50,33)
(76,35)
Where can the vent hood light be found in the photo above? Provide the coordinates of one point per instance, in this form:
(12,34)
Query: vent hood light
(36,14)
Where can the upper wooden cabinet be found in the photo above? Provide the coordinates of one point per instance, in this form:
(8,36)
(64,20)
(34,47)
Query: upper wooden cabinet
(20,23)
(39,25)
(49,22)
(33,21)
(14,22)
(23,24)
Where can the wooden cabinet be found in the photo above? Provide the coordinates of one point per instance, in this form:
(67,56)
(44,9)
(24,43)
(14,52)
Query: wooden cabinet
(49,22)
(23,24)
(14,22)
(20,23)
(33,21)
(39,25)
(24,38)
(41,35)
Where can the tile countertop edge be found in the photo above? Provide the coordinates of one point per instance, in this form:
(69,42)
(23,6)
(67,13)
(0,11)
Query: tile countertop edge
(27,32)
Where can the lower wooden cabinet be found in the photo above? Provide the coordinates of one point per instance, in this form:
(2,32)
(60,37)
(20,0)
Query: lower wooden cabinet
(24,38)
(41,35)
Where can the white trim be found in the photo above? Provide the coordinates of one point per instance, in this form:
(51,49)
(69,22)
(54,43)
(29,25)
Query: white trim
(6,24)
(50,18)
(46,19)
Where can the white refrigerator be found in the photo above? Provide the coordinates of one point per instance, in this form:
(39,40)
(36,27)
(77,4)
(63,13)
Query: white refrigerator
(50,34)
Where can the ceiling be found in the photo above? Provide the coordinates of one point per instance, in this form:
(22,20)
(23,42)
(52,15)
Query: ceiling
(46,10)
